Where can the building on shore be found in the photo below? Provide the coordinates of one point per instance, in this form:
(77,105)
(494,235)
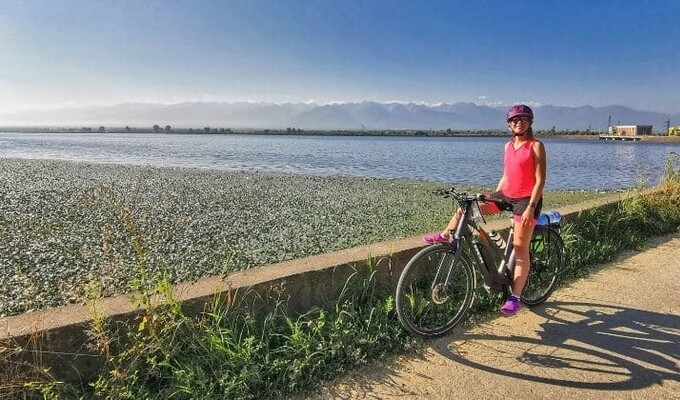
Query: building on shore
(630,130)
(674,131)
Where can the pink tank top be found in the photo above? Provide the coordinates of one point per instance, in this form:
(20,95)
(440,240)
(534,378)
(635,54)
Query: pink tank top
(520,170)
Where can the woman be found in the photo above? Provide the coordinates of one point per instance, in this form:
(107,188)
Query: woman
(524,171)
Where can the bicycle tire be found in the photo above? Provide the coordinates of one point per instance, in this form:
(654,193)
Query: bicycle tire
(547,254)
(429,309)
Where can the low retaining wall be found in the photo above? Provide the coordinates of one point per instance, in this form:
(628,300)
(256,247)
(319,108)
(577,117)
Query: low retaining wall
(57,338)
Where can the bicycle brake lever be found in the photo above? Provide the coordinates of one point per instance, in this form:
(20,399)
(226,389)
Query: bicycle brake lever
(446,192)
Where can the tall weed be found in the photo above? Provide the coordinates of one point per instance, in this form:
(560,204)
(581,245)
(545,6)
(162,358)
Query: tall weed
(237,350)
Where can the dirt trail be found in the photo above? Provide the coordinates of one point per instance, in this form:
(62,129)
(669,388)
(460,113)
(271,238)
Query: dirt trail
(613,335)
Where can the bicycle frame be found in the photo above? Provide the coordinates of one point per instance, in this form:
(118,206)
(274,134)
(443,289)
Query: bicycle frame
(495,275)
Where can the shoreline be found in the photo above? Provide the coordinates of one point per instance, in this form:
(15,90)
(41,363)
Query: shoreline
(324,133)
(649,138)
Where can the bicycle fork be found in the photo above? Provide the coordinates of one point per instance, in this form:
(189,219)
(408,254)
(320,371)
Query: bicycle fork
(438,290)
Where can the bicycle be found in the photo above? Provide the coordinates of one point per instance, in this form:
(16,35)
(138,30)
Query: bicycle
(437,286)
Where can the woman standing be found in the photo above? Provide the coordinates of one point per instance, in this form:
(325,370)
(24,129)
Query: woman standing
(524,171)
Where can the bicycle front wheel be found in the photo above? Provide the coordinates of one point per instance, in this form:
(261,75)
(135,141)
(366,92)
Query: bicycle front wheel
(546,253)
(428,304)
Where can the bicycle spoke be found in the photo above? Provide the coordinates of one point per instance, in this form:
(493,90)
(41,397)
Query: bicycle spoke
(546,252)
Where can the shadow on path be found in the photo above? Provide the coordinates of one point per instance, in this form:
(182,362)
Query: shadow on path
(580,345)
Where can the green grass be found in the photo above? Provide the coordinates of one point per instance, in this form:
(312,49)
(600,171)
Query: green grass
(242,347)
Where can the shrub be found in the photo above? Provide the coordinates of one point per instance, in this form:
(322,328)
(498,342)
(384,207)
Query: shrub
(247,346)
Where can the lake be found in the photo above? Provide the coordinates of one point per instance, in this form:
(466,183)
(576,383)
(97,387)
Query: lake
(572,164)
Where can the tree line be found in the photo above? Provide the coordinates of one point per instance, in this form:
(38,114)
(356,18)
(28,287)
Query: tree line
(294,131)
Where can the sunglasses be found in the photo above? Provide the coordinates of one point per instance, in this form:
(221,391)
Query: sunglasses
(515,120)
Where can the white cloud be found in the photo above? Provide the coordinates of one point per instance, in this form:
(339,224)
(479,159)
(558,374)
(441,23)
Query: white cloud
(529,103)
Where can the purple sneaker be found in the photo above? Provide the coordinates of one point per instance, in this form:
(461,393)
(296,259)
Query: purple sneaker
(511,306)
(436,237)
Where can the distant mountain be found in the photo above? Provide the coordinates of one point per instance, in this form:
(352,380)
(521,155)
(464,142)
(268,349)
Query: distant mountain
(346,116)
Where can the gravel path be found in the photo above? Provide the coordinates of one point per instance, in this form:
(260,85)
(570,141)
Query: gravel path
(613,335)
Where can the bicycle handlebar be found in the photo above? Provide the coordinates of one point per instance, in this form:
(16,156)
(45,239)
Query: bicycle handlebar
(463,197)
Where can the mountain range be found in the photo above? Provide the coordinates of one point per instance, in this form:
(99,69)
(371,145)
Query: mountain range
(335,116)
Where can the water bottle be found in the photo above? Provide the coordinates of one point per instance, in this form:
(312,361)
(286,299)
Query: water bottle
(498,239)
(552,217)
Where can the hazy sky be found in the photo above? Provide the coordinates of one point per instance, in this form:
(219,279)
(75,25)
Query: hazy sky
(576,52)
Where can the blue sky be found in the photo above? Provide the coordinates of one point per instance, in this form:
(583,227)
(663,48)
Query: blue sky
(571,53)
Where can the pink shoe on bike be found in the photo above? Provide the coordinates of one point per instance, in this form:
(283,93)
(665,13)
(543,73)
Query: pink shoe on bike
(436,237)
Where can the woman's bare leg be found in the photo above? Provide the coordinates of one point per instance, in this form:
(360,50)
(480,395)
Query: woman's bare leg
(522,261)
(485,208)
(453,224)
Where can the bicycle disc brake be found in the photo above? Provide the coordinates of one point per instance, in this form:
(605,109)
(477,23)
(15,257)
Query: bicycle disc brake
(438,294)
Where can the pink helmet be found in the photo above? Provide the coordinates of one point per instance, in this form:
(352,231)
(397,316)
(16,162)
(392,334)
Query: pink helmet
(519,110)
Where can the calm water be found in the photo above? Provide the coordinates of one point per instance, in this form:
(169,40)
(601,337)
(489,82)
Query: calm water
(572,164)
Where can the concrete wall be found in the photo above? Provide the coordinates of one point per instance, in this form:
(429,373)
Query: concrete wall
(58,339)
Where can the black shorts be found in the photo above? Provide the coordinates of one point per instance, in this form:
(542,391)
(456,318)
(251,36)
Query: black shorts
(518,204)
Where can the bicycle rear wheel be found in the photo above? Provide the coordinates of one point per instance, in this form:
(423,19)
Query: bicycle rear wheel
(546,253)
(427,306)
